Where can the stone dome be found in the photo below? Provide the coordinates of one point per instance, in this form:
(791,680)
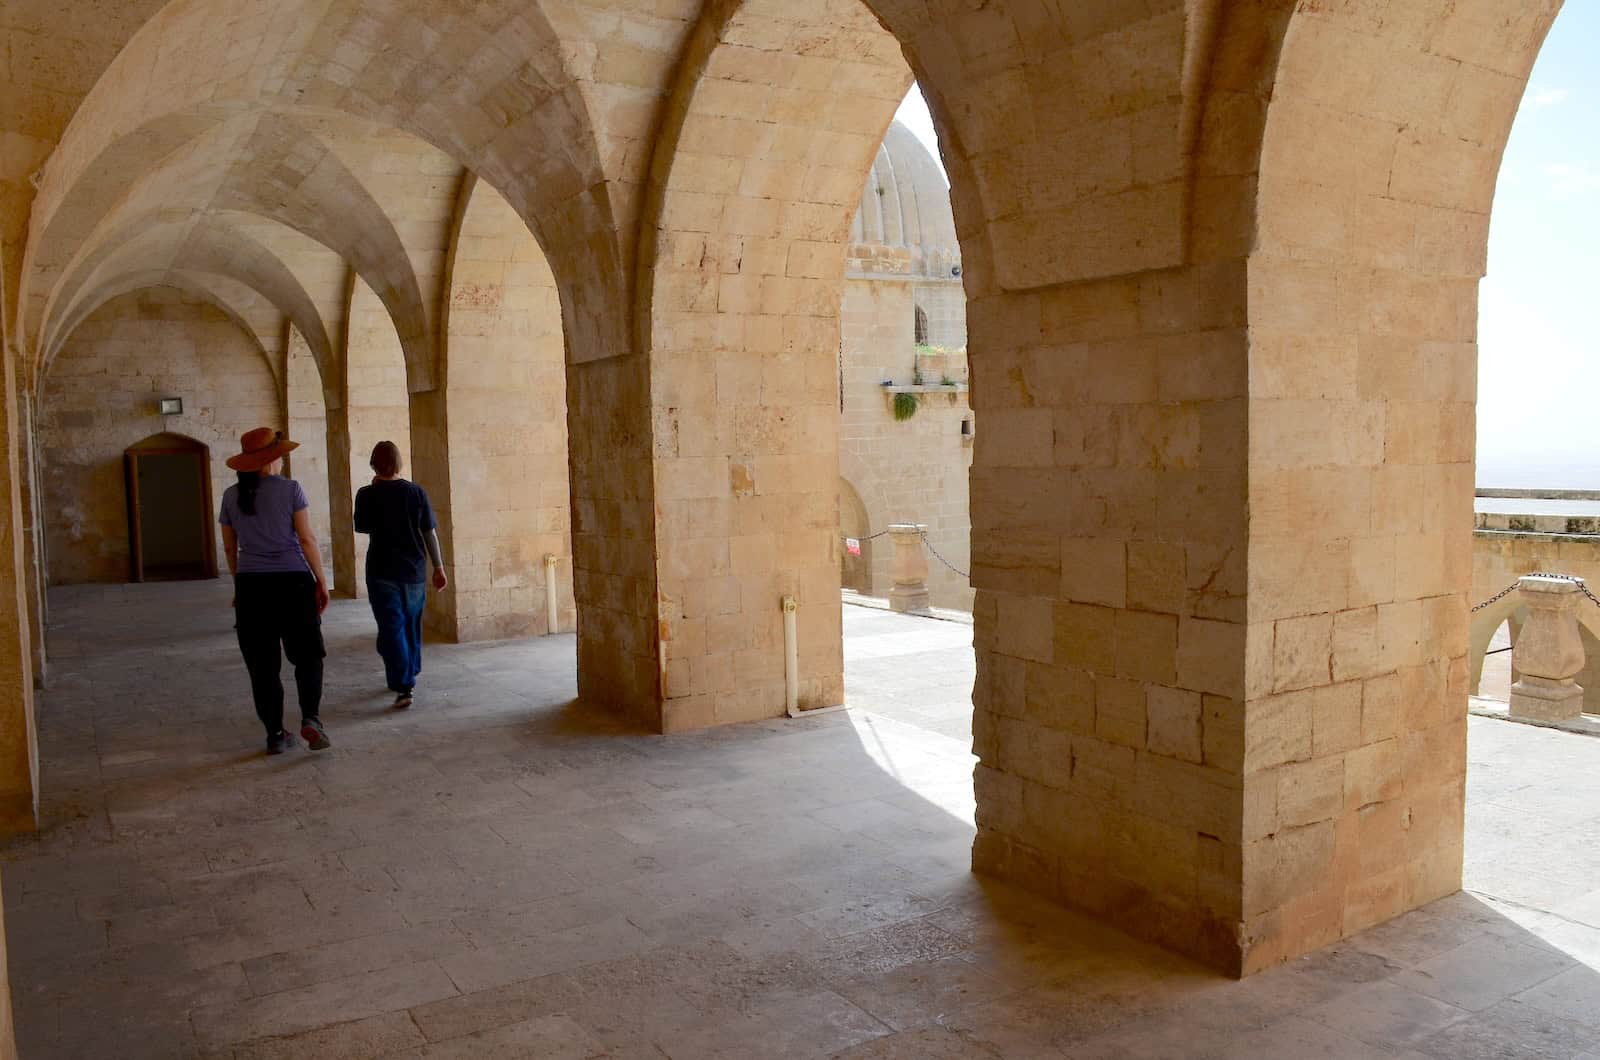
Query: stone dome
(906,202)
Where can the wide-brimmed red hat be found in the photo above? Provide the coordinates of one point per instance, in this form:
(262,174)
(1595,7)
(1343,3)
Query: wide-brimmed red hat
(260,447)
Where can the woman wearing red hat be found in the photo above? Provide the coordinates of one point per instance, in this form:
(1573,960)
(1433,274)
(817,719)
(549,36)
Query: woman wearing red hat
(279,590)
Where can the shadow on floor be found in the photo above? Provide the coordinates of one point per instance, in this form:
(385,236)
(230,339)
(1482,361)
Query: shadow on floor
(500,872)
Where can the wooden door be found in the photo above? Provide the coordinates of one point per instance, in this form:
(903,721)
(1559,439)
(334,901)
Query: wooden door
(170,533)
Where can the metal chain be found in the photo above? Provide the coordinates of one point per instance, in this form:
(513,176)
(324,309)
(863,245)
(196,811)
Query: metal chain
(941,559)
(1496,598)
(925,541)
(1583,587)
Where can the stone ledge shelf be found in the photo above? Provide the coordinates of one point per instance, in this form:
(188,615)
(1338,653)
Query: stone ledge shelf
(925,388)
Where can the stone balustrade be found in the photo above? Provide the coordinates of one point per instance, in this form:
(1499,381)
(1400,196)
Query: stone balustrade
(909,591)
(1549,653)
(1499,559)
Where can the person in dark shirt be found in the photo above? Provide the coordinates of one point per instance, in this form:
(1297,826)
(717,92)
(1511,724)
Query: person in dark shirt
(398,519)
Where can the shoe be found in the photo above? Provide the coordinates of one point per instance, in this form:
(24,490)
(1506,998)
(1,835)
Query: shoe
(280,743)
(315,738)
(402,700)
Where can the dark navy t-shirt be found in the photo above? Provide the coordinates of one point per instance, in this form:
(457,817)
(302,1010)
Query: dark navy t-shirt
(397,517)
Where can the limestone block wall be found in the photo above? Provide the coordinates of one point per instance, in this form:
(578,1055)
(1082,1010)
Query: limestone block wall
(912,471)
(377,407)
(8,1047)
(506,401)
(1371,213)
(1109,536)
(1360,496)
(1499,558)
(944,303)
(100,396)
(308,424)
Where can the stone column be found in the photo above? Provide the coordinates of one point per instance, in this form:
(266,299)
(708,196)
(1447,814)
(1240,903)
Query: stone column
(1549,653)
(430,469)
(33,539)
(341,504)
(504,378)
(614,539)
(377,407)
(909,591)
(306,414)
(19,747)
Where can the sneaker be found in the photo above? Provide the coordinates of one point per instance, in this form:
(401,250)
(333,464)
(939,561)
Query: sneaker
(402,700)
(276,745)
(311,731)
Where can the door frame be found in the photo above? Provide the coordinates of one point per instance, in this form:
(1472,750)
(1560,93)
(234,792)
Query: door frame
(167,444)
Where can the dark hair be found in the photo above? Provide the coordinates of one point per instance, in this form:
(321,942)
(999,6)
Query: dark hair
(386,459)
(249,483)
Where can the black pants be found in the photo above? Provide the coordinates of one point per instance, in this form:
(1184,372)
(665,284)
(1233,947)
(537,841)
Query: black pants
(276,609)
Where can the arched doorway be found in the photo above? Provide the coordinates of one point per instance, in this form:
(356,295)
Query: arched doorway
(169,509)
(855,559)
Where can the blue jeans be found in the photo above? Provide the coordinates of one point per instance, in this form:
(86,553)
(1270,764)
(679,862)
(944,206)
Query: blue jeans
(398,608)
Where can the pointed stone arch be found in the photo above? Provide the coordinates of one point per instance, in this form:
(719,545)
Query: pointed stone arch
(100,396)
(777,114)
(205,285)
(208,249)
(498,470)
(855,523)
(502,100)
(275,168)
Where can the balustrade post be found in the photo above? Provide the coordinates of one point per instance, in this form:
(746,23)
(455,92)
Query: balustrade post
(909,574)
(1549,653)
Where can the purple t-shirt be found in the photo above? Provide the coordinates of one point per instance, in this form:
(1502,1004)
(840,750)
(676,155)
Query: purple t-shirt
(267,541)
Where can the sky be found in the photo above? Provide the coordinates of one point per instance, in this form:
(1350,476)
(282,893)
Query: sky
(1538,350)
(1538,345)
(913,114)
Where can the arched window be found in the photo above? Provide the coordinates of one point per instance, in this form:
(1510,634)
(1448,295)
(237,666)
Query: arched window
(920,326)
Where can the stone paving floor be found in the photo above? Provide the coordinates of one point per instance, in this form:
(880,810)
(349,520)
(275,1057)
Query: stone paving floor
(915,670)
(500,873)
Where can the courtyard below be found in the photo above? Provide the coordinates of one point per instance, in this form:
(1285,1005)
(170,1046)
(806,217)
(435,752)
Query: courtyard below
(501,872)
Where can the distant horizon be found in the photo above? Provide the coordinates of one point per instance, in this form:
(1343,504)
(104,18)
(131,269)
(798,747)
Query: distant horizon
(1510,473)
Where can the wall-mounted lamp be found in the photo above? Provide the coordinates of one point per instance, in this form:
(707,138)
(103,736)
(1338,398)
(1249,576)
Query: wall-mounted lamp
(172,406)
